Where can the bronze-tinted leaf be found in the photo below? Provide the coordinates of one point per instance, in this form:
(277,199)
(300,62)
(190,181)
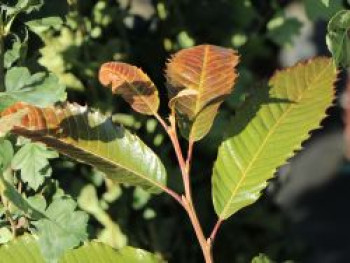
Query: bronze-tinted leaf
(92,138)
(132,84)
(199,79)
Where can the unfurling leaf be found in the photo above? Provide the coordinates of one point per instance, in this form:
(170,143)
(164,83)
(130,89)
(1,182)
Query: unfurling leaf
(268,130)
(93,139)
(132,84)
(199,79)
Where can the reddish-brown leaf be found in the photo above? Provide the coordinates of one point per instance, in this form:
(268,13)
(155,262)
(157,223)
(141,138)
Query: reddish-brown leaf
(132,84)
(198,78)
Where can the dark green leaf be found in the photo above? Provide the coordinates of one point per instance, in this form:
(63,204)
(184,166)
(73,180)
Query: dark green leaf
(281,30)
(320,9)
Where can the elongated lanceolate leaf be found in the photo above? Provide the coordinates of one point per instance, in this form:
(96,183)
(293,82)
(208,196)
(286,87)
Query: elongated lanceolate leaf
(199,79)
(268,130)
(26,249)
(132,84)
(93,139)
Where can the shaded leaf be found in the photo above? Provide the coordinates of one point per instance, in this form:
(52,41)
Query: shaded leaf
(92,138)
(261,259)
(338,39)
(132,84)
(268,130)
(282,30)
(6,153)
(17,52)
(199,79)
(32,160)
(26,247)
(320,9)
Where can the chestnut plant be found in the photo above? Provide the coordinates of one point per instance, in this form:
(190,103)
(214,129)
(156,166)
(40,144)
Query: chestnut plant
(41,223)
(264,133)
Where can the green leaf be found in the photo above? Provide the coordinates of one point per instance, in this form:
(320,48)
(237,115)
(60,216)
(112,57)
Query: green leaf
(62,229)
(92,138)
(18,200)
(282,30)
(268,130)
(320,10)
(338,39)
(26,247)
(6,153)
(5,235)
(33,161)
(13,54)
(26,6)
(261,259)
(39,26)
(39,89)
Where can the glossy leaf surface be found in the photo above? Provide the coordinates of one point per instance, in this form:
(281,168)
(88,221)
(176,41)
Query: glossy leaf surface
(199,79)
(268,130)
(132,84)
(91,138)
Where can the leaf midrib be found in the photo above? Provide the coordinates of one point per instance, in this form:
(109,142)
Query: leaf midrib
(269,134)
(108,161)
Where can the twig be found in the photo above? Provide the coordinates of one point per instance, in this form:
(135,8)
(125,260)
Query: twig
(214,231)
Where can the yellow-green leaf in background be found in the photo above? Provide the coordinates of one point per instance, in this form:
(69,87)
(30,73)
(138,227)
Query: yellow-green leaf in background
(26,249)
(199,79)
(268,130)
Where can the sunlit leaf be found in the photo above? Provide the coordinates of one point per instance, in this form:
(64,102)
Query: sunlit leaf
(41,25)
(92,138)
(268,130)
(25,249)
(199,79)
(132,84)
(26,6)
(338,39)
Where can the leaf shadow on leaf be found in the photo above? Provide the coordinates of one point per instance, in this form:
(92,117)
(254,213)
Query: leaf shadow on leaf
(249,109)
(77,127)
